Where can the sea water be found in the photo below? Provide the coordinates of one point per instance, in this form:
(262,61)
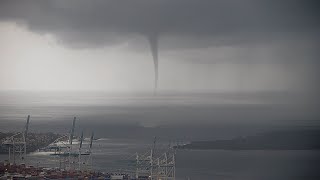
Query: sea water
(127,124)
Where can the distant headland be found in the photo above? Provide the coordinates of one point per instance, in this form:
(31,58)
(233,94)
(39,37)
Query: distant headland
(274,140)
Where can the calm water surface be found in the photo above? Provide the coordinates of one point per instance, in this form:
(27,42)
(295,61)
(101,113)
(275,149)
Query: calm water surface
(109,155)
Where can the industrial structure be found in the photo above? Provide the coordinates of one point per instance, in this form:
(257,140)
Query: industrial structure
(71,155)
(156,167)
(75,160)
(17,145)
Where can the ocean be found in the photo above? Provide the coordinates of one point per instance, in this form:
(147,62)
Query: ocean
(110,155)
(127,124)
(114,155)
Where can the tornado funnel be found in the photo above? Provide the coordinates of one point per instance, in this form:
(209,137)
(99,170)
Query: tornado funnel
(153,41)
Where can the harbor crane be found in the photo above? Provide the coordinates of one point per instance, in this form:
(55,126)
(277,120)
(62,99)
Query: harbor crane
(17,145)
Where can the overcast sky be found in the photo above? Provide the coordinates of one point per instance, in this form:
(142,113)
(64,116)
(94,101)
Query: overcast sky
(224,46)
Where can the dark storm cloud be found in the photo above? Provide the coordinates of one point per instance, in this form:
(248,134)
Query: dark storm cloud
(80,23)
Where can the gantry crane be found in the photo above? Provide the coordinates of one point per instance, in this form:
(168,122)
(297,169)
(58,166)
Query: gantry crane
(17,145)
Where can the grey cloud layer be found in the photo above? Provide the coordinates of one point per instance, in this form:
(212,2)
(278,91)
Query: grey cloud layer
(101,22)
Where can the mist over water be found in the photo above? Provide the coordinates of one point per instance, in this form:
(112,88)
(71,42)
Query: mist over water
(170,115)
(127,124)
